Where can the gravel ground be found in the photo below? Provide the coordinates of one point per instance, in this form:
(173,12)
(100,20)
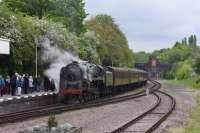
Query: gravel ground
(185,101)
(93,120)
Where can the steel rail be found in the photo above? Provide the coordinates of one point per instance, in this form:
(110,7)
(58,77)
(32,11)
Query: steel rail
(122,128)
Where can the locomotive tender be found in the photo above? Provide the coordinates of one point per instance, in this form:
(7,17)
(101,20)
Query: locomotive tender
(85,80)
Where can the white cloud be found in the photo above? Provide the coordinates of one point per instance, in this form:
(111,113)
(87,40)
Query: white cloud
(151,24)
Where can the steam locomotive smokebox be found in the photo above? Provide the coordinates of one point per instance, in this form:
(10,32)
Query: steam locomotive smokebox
(29,103)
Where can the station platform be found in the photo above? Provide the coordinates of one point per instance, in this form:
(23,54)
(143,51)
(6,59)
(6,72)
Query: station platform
(26,96)
(10,104)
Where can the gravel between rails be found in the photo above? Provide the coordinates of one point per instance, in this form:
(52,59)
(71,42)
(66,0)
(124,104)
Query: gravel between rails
(92,120)
(185,101)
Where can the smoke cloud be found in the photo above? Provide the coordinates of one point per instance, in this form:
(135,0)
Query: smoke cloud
(58,58)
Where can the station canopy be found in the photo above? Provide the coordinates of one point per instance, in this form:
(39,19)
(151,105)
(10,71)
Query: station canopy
(4,46)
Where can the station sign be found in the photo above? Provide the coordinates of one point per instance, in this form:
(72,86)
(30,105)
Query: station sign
(4,46)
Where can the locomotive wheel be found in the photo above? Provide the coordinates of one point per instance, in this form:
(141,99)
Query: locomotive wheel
(84,99)
(93,97)
(80,99)
(87,98)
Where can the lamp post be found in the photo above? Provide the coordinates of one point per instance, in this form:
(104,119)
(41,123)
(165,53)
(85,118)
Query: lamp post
(36,61)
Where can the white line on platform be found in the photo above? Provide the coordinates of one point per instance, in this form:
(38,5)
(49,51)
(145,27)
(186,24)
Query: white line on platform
(18,97)
(10,98)
(25,96)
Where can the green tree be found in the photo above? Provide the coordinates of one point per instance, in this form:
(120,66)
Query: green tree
(31,7)
(184,41)
(183,70)
(141,57)
(71,13)
(193,41)
(21,33)
(114,43)
(197,65)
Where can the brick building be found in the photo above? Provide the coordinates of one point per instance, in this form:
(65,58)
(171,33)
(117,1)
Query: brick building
(153,67)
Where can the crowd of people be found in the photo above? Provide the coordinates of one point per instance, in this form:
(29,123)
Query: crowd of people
(24,84)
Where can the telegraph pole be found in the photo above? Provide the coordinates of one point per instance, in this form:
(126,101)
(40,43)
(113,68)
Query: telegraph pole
(36,61)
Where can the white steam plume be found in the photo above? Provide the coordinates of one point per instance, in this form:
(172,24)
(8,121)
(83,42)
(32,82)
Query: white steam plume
(58,58)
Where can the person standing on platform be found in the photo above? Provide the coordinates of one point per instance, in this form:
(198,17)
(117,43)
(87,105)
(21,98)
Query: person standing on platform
(18,85)
(13,84)
(39,83)
(31,86)
(2,85)
(8,84)
(47,83)
(26,83)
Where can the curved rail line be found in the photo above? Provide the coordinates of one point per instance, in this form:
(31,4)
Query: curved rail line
(155,125)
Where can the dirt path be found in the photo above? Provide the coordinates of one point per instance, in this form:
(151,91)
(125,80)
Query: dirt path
(185,101)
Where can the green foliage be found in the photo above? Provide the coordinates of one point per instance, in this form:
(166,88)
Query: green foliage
(25,32)
(88,45)
(31,7)
(186,82)
(193,125)
(179,59)
(197,65)
(70,12)
(141,57)
(52,122)
(114,49)
(179,52)
(193,41)
(183,70)
(196,82)
(20,31)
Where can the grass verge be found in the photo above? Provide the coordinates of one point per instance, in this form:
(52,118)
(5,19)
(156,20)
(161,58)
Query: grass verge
(187,83)
(193,123)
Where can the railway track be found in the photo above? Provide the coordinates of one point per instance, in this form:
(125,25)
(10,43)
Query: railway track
(150,120)
(59,108)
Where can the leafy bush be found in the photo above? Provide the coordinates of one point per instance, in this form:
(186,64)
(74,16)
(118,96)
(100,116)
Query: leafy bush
(196,83)
(52,122)
(184,70)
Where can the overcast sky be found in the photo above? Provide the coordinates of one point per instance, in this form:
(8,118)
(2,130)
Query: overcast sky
(151,24)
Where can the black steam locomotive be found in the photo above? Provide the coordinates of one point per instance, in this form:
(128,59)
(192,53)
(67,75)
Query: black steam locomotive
(87,81)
